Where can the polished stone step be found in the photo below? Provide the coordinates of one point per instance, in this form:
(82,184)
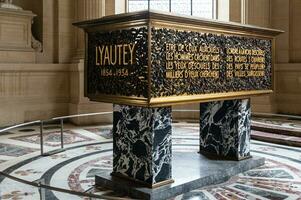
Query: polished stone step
(276,138)
(275,123)
(190,171)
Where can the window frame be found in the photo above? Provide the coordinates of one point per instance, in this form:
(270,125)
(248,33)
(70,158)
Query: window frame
(214,7)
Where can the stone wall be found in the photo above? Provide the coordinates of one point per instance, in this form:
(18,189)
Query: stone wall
(33,91)
(40,85)
(286,15)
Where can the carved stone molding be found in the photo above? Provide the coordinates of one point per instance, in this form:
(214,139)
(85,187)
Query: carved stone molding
(9,4)
(16,36)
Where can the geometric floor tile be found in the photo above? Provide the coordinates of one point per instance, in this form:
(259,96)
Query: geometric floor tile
(15,150)
(53,139)
(105,132)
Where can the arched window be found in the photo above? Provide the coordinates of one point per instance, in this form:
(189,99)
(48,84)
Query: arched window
(199,8)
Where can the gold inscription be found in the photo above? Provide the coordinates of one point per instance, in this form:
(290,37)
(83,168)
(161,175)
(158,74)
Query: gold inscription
(245,63)
(192,61)
(120,55)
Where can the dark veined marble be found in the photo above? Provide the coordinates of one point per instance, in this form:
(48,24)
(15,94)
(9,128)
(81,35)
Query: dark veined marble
(142,143)
(162,87)
(225,128)
(135,83)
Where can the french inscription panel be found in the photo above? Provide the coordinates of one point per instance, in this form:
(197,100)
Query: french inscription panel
(190,63)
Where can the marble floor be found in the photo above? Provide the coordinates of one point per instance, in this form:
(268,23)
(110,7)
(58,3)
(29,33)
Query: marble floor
(70,174)
(283,122)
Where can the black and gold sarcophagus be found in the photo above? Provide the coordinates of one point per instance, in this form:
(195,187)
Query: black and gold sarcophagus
(145,62)
(154,59)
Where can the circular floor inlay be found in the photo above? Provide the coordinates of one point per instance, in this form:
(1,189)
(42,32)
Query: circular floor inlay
(75,168)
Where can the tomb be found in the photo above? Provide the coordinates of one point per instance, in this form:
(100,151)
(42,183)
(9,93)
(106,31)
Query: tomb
(146,62)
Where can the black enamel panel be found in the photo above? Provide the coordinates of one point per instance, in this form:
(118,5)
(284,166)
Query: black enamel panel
(133,84)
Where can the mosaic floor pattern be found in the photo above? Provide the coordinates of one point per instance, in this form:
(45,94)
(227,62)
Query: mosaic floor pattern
(54,138)
(89,152)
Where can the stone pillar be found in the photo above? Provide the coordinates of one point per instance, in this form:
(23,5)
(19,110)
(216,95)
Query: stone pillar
(115,7)
(142,144)
(258,13)
(225,128)
(235,11)
(85,10)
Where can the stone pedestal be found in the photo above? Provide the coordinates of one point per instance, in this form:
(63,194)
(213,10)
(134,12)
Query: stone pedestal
(225,129)
(142,144)
(190,171)
(15,36)
(142,156)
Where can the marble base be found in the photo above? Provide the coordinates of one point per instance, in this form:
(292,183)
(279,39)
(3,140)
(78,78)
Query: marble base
(142,144)
(225,128)
(190,171)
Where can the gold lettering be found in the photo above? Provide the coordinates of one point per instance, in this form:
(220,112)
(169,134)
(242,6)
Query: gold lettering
(119,53)
(175,74)
(101,54)
(96,56)
(132,47)
(203,61)
(115,55)
(107,56)
(124,55)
